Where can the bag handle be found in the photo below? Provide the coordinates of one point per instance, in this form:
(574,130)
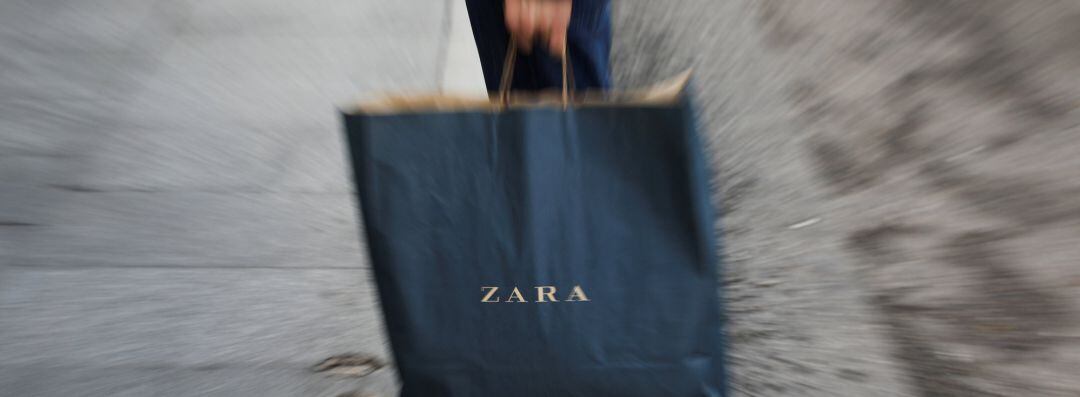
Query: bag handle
(508,75)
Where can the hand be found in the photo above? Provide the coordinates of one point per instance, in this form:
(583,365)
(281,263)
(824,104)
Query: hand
(539,20)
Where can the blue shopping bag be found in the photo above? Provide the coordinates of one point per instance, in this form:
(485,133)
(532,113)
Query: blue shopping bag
(542,247)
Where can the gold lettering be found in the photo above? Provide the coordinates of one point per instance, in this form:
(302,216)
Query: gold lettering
(490,292)
(577,293)
(516,293)
(545,294)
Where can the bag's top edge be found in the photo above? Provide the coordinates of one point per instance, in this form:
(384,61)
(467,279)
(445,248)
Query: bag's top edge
(664,93)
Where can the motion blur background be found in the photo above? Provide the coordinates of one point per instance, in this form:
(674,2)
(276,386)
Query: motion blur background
(900,179)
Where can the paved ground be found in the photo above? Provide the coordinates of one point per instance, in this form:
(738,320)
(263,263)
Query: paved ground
(900,178)
(175,217)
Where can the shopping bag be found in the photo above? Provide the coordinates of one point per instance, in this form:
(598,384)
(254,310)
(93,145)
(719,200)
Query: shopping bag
(542,245)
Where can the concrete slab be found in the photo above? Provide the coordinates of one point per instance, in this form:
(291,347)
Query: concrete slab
(273,82)
(174,317)
(212,380)
(61,25)
(51,128)
(207,156)
(27,74)
(461,72)
(222,158)
(234,112)
(73,226)
(339,18)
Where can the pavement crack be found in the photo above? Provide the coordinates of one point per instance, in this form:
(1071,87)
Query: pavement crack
(351,364)
(6,223)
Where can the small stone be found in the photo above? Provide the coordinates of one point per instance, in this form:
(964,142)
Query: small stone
(767,283)
(353,365)
(357,394)
(808,222)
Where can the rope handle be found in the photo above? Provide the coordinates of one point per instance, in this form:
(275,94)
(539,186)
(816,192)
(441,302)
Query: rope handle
(508,74)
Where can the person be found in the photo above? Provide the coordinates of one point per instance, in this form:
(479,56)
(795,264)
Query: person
(544,31)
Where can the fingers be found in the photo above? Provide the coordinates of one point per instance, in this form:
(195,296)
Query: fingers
(544,14)
(560,21)
(512,12)
(544,20)
(526,32)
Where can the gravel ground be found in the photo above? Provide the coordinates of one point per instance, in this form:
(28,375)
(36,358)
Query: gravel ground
(900,182)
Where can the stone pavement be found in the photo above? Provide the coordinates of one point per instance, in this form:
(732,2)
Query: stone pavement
(900,182)
(175,213)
